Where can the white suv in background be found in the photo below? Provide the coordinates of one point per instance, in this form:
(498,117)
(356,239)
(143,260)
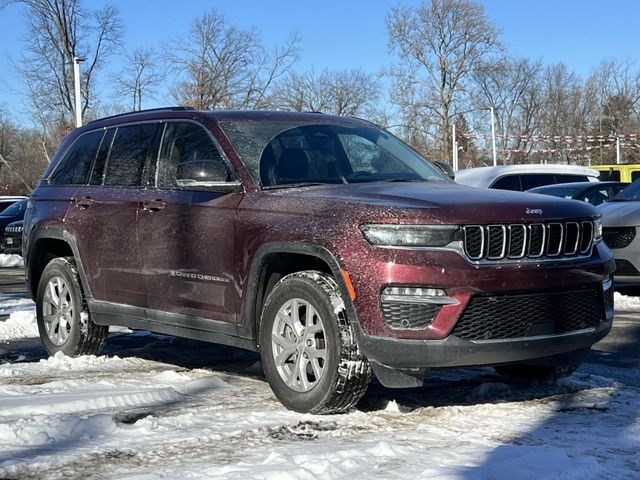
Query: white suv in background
(524,177)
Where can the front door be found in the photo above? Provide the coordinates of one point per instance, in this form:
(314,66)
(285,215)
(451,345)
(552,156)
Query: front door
(186,233)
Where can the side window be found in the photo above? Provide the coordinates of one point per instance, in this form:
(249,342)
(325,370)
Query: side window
(635,175)
(568,178)
(74,168)
(537,180)
(508,182)
(132,146)
(189,157)
(101,159)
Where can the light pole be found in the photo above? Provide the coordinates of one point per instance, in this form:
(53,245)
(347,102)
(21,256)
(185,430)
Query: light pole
(493,137)
(76,89)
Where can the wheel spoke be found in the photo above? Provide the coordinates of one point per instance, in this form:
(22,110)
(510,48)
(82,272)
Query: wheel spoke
(55,300)
(318,353)
(317,369)
(302,372)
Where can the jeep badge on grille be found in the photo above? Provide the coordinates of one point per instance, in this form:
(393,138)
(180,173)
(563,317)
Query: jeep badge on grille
(533,211)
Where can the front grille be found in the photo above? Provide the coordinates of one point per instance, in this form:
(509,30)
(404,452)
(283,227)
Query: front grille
(490,317)
(535,240)
(409,316)
(618,237)
(624,268)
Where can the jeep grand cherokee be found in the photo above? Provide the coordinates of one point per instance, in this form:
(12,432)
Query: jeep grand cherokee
(324,243)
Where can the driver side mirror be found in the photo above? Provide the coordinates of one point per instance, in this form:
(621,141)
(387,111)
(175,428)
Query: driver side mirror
(445,168)
(202,173)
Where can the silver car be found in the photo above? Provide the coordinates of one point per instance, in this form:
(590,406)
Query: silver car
(620,221)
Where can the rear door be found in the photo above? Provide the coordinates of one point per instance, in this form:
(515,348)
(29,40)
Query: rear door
(104,214)
(186,231)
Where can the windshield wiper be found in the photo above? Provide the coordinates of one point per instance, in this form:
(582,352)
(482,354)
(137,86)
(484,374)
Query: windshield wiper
(294,185)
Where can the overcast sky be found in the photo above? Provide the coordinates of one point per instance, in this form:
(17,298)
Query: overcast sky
(339,34)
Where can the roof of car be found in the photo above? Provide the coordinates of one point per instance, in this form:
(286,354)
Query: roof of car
(560,186)
(485,176)
(224,115)
(9,198)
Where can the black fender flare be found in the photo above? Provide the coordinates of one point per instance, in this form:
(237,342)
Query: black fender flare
(251,317)
(54,234)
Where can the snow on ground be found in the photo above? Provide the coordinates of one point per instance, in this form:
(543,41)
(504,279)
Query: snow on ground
(626,303)
(7,261)
(164,408)
(20,324)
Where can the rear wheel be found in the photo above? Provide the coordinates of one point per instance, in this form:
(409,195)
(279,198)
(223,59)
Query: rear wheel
(308,349)
(63,319)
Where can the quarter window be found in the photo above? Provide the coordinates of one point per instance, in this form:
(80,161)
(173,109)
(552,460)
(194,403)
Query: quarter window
(132,146)
(76,164)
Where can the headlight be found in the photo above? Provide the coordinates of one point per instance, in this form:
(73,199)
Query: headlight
(597,230)
(410,235)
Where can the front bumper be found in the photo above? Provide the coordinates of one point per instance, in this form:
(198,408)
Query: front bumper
(454,352)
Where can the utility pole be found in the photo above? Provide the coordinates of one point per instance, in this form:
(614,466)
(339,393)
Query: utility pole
(76,89)
(618,149)
(454,152)
(493,138)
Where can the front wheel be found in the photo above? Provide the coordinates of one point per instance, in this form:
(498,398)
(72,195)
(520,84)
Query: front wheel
(63,319)
(308,348)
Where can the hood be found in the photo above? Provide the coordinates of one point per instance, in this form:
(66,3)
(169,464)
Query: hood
(439,202)
(620,214)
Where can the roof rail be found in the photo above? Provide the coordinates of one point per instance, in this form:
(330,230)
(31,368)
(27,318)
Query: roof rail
(159,109)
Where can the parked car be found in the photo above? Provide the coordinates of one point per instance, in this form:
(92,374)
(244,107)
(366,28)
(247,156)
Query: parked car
(7,201)
(594,193)
(11,214)
(323,242)
(621,219)
(12,240)
(625,172)
(524,177)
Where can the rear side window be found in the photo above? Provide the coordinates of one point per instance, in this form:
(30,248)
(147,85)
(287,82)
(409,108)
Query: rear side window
(187,147)
(508,182)
(562,178)
(74,168)
(537,180)
(635,175)
(612,175)
(132,146)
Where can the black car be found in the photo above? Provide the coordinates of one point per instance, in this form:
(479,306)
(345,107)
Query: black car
(594,193)
(12,241)
(11,214)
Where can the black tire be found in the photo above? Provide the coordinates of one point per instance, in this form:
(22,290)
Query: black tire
(345,374)
(83,336)
(536,372)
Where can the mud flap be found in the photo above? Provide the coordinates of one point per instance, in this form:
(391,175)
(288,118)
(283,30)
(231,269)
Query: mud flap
(398,377)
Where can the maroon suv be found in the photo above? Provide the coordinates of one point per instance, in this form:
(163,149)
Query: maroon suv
(322,242)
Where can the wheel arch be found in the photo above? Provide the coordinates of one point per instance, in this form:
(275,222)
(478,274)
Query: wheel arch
(47,244)
(274,260)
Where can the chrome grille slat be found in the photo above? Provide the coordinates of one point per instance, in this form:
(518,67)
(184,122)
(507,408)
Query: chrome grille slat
(522,241)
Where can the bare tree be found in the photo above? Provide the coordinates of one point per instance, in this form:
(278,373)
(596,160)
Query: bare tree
(439,43)
(223,66)
(510,86)
(342,92)
(140,76)
(58,31)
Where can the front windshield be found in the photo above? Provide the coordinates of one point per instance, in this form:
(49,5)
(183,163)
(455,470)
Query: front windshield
(629,194)
(287,153)
(14,209)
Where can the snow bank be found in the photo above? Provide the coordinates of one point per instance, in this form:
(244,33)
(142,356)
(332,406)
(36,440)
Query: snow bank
(20,324)
(10,261)
(626,303)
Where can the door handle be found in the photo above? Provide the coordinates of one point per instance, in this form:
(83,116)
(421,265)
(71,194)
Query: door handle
(84,202)
(154,205)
